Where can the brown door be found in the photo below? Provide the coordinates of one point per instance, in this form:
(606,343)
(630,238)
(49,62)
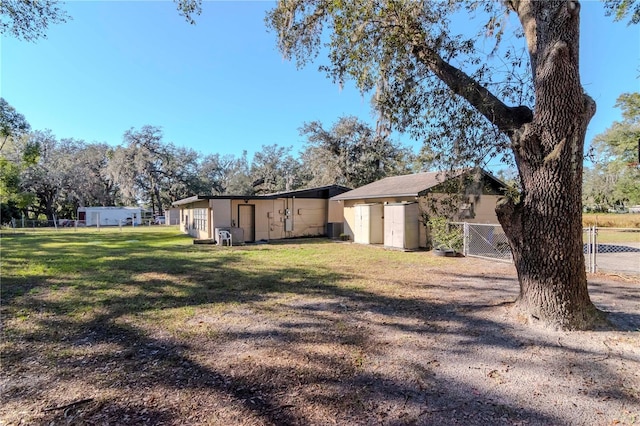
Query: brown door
(247,221)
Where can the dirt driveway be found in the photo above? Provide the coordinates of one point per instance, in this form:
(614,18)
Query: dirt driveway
(625,259)
(394,345)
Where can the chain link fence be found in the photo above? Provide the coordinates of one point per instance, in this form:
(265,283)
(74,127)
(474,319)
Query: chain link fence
(32,224)
(488,241)
(27,225)
(484,240)
(613,250)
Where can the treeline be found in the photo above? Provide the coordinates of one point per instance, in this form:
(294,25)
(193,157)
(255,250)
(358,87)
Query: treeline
(43,176)
(612,181)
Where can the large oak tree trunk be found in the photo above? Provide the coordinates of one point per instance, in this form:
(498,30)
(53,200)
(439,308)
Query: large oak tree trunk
(544,227)
(545,232)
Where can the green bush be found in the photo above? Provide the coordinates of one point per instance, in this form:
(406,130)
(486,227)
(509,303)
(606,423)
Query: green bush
(445,236)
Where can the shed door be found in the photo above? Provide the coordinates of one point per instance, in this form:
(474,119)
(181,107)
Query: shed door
(247,220)
(398,227)
(388,226)
(362,225)
(394,226)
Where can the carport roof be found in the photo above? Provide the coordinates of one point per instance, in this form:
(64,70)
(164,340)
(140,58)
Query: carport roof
(323,192)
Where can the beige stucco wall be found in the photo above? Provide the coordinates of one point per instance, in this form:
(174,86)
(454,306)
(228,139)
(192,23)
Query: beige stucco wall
(349,213)
(263,223)
(186,219)
(307,217)
(335,211)
(221,213)
(483,208)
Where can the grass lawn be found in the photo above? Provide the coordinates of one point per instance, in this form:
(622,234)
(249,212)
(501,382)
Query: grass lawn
(607,236)
(140,326)
(149,271)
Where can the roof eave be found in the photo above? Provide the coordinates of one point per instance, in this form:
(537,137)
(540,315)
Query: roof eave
(371,196)
(188,200)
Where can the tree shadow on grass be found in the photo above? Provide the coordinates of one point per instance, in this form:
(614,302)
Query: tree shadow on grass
(326,333)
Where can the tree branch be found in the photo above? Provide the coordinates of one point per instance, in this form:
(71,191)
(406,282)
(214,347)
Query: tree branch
(507,119)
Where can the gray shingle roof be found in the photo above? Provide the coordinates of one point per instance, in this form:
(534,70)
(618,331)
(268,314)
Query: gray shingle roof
(396,186)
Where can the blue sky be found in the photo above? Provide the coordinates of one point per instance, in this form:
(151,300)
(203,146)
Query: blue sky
(221,86)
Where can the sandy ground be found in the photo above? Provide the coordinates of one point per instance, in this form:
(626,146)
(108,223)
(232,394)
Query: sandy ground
(441,348)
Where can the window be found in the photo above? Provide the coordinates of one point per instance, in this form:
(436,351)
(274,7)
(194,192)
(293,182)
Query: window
(200,219)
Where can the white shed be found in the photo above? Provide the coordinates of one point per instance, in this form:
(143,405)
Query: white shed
(369,224)
(109,216)
(402,225)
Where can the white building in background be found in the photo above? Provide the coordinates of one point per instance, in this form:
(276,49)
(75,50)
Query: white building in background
(110,216)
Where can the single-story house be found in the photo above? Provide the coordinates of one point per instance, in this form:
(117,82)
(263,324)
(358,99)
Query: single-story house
(300,213)
(392,211)
(109,216)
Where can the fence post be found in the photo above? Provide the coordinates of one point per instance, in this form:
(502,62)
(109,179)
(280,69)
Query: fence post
(592,248)
(465,239)
(595,249)
(589,246)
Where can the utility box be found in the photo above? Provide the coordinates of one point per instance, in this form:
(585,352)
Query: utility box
(402,226)
(369,225)
(288,225)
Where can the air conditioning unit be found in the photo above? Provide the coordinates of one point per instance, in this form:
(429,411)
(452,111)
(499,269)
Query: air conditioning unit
(334,229)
